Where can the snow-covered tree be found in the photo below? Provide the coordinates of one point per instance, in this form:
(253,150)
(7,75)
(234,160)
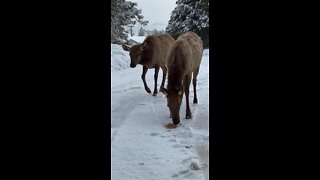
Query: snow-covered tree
(190,15)
(141,32)
(123,13)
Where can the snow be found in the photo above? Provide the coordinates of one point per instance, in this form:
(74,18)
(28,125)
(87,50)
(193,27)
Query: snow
(141,147)
(138,39)
(120,59)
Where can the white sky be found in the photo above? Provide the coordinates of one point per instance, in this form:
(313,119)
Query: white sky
(156,11)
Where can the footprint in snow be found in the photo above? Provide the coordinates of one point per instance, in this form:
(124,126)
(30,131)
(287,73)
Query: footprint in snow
(134,87)
(154,134)
(183,171)
(176,146)
(175,175)
(195,166)
(189,175)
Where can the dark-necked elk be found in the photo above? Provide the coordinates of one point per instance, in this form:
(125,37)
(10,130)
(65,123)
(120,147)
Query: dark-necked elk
(183,60)
(152,53)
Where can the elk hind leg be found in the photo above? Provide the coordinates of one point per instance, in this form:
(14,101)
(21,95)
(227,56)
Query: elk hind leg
(194,82)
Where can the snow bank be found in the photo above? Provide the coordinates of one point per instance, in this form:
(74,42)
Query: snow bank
(205,53)
(120,58)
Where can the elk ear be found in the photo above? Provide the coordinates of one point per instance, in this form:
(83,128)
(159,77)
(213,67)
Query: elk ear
(164,91)
(125,47)
(180,92)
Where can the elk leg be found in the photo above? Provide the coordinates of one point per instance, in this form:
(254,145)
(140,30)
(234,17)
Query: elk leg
(143,77)
(186,83)
(164,72)
(194,82)
(156,72)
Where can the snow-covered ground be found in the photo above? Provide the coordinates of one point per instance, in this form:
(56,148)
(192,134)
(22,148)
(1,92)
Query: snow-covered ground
(141,147)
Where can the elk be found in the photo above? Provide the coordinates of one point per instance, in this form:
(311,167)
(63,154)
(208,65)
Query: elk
(152,53)
(183,62)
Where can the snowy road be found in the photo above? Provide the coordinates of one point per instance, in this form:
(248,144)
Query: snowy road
(141,147)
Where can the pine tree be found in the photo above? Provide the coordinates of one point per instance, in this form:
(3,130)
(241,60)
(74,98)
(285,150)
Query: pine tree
(190,15)
(123,13)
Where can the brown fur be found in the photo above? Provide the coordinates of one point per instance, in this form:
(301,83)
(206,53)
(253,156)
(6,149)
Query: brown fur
(152,53)
(183,61)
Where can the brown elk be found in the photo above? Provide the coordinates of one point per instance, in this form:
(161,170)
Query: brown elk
(183,60)
(152,53)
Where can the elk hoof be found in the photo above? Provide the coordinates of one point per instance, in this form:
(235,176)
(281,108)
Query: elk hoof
(148,90)
(195,101)
(176,121)
(155,93)
(188,116)
(160,90)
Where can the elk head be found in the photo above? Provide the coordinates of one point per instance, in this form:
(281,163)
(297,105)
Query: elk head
(174,100)
(135,53)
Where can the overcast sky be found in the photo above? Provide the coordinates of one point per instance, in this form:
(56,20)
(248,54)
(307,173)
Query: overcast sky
(156,11)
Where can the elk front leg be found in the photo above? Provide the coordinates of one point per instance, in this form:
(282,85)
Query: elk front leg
(156,72)
(143,77)
(187,83)
(195,99)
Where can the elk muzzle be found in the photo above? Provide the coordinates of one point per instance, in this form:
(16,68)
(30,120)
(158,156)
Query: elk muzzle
(175,116)
(175,120)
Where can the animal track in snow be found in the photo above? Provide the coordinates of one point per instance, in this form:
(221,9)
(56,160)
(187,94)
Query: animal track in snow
(124,90)
(195,166)
(189,175)
(183,171)
(154,134)
(175,175)
(176,146)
